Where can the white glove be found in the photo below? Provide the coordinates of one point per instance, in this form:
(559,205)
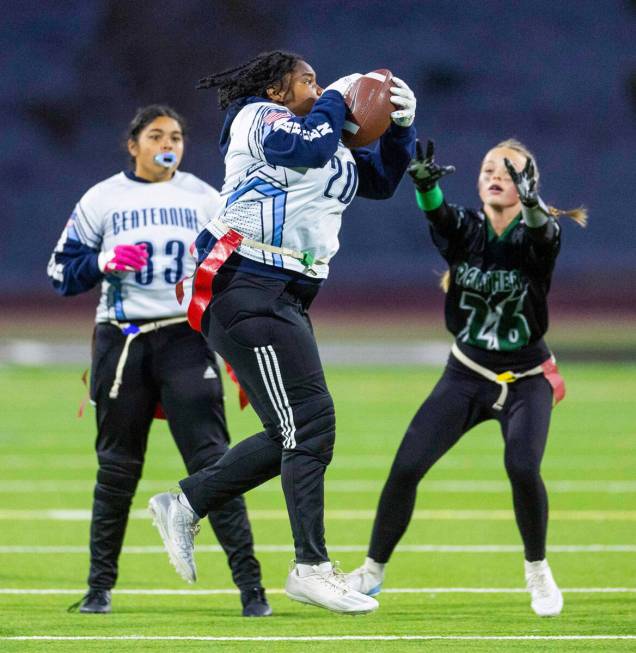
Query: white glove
(403,97)
(342,85)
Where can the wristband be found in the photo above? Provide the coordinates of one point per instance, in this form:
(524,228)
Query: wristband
(431,199)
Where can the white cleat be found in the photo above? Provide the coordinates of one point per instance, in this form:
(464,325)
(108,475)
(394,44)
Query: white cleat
(324,587)
(367,579)
(177,526)
(547,600)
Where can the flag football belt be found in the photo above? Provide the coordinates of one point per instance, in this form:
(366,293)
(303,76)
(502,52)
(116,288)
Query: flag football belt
(228,243)
(306,258)
(548,368)
(131,331)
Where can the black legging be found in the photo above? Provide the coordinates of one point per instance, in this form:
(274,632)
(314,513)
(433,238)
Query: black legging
(460,400)
(173,366)
(261,327)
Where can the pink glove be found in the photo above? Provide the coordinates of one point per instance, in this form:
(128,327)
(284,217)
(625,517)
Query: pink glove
(123,258)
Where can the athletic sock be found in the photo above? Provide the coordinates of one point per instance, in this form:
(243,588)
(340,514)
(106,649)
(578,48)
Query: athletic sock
(183,500)
(376,568)
(307,570)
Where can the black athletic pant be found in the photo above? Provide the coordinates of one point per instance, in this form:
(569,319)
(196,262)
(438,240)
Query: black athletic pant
(173,366)
(460,400)
(260,326)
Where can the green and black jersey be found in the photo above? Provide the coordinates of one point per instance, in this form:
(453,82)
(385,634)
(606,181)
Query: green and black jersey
(496,306)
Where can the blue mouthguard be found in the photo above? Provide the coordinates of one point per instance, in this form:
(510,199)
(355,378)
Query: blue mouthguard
(166,159)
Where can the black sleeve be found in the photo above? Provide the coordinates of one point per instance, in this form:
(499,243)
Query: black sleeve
(452,227)
(543,246)
(444,220)
(545,235)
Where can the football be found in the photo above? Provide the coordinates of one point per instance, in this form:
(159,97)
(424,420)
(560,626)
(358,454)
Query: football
(369,115)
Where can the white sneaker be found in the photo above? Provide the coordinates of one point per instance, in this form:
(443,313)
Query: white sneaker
(177,526)
(321,585)
(547,600)
(368,578)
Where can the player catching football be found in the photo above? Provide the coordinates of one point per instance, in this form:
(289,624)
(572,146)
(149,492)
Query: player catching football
(500,262)
(131,233)
(288,180)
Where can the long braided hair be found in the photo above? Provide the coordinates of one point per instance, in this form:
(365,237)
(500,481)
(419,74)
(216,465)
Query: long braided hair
(254,77)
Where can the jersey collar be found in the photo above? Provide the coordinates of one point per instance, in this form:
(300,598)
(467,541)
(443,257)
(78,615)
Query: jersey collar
(232,112)
(492,234)
(133,177)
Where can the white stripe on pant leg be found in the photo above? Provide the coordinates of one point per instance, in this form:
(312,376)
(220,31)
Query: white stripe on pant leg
(281,418)
(292,439)
(281,397)
(260,355)
(285,425)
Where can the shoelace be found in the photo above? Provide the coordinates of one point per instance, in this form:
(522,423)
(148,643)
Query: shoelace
(185,540)
(187,531)
(336,579)
(334,585)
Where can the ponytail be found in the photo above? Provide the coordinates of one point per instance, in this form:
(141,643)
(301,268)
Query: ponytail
(579,215)
(444,281)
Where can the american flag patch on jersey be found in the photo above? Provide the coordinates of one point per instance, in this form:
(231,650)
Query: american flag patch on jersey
(273,116)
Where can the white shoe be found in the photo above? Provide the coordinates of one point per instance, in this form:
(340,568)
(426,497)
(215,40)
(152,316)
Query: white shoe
(367,579)
(547,600)
(177,526)
(321,585)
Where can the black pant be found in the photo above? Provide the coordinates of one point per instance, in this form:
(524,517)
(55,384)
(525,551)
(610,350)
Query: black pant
(261,327)
(460,400)
(174,367)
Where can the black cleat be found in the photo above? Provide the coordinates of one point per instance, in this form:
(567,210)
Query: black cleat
(93,602)
(254,603)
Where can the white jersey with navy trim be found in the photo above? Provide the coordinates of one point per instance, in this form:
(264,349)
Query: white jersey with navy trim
(121,211)
(298,208)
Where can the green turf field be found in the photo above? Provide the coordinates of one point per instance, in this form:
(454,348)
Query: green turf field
(463,535)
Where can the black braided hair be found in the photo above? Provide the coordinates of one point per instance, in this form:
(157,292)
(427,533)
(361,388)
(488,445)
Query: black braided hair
(251,78)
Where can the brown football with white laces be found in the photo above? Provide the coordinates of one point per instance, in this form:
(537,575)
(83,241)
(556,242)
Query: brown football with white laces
(369,103)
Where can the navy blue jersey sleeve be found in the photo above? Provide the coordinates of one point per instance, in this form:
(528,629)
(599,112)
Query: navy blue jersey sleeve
(73,267)
(308,141)
(380,168)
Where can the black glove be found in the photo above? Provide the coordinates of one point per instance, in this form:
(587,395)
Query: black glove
(423,169)
(526,184)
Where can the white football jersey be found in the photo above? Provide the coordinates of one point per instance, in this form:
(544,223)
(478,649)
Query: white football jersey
(295,208)
(167,216)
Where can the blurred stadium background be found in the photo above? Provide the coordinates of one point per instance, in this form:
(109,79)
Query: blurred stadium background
(557,75)
(560,76)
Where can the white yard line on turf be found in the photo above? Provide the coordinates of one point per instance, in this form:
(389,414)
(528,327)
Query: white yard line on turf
(579,463)
(343,486)
(390,590)
(337,548)
(314,638)
(348,515)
